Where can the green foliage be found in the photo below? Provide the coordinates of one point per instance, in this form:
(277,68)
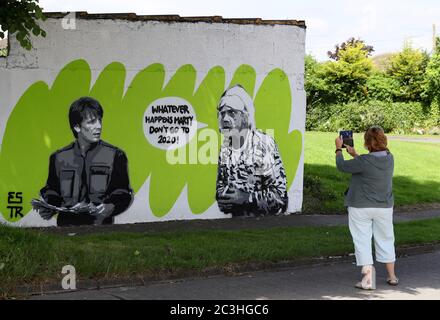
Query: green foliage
(338,81)
(316,85)
(20,18)
(349,74)
(315,194)
(408,69)
(382,87)
(352,42)
(352,91)
(357,116)
(432,85)
(317,118)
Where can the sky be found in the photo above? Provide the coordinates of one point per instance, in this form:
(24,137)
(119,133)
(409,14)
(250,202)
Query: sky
(384,24)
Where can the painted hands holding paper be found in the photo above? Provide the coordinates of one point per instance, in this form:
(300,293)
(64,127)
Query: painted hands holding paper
(101,211)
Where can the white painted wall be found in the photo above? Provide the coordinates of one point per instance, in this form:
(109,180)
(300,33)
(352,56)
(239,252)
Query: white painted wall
(139,44)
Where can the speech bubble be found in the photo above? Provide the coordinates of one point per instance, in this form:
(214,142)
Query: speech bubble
(169,123)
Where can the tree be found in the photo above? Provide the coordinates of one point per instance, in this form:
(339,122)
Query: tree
(349,73)
(432,75)
(431,90)
(317,88)
(408,69)
(352,42)
(20,17)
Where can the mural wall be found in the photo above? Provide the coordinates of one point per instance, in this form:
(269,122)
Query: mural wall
(117,121)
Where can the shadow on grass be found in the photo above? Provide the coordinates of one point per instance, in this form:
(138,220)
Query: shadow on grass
(324,188)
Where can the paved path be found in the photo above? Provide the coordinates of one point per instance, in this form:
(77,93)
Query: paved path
(419,279)
(239,223)
(416,139)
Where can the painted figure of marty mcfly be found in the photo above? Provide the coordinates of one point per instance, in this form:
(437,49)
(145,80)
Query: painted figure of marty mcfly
(89,177)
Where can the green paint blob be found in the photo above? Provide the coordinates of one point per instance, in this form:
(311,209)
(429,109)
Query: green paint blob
(38,126)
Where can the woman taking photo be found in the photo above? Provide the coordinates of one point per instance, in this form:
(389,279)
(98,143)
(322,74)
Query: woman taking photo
(370,201)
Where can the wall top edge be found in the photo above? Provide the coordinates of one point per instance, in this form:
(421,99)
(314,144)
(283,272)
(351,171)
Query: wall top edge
(174,18)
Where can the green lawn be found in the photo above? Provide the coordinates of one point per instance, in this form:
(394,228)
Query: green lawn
(416,174)
(29,256)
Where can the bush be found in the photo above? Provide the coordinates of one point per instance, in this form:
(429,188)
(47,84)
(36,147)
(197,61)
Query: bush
(316,117)
(318,90)
(313,186)
(315,194)
(392,117)
(382,87)
(408,69)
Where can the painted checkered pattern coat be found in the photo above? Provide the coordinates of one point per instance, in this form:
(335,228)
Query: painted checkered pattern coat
(256,169)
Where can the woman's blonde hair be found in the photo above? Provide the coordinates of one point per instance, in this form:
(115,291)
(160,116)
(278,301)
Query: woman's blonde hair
(375,139)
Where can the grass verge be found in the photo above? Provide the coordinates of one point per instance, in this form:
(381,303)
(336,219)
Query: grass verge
(34,257)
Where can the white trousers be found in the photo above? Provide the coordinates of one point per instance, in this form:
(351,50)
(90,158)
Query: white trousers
(365,223)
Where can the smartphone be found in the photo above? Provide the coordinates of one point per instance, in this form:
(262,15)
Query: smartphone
(347,137)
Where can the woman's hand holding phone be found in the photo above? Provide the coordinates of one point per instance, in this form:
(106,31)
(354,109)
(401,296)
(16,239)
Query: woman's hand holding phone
(351,151)
(339,142)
